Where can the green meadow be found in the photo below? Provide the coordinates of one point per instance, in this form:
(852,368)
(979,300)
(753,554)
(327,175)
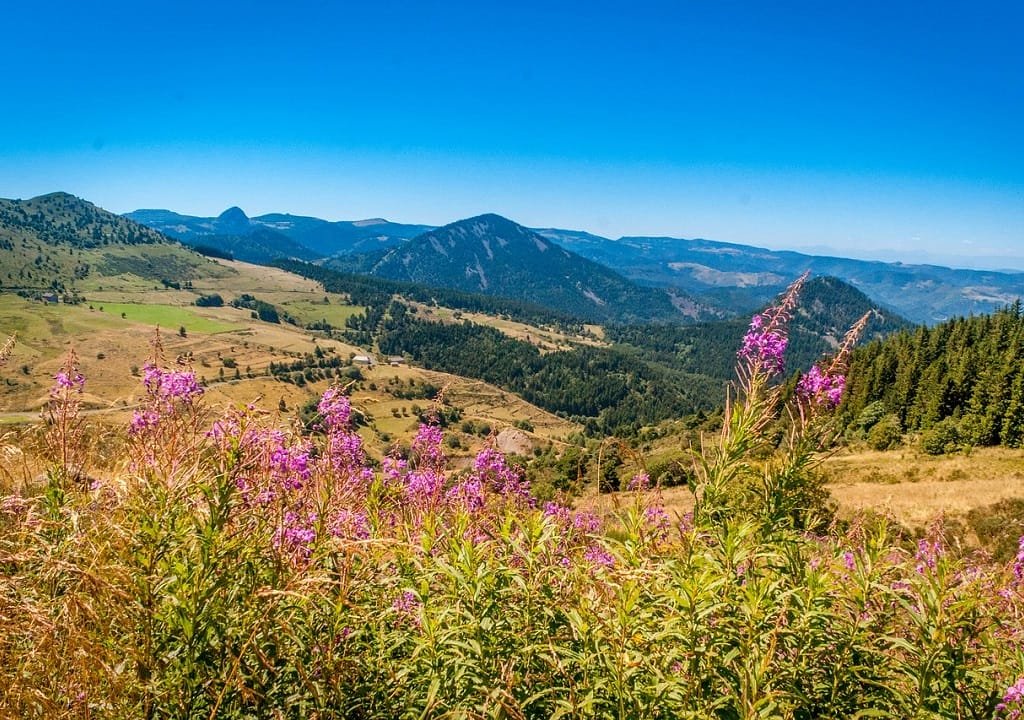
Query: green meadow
(167,316)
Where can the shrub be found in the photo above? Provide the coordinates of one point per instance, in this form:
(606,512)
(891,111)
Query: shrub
(214,300)
(885,434)
(942,437)
(999,527)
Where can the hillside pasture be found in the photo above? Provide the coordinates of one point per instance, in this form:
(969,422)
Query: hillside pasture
(912,488)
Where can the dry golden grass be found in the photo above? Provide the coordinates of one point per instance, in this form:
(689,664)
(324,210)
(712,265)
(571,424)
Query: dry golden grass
(914,487)
(910,487)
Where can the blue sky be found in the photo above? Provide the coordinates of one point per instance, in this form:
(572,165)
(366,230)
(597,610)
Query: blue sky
(888,130)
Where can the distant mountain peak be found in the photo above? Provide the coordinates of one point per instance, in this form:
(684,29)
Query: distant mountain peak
(233,221)
(233,214)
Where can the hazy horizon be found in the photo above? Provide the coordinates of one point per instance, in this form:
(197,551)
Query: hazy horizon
(877,131)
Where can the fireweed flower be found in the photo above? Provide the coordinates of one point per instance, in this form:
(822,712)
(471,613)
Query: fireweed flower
(492,471)
(639,482)
(407,605)
(1012,706)
(586,522)
(426,447)
(171,385)
(927,556)
(597,556)
(821,387)
(657,520)
(422,487)
(558,513)
(350,525)
(334,409)
(1018,563)
(67,380)
(296,534)
(344,454)
(764,345)
(468,494)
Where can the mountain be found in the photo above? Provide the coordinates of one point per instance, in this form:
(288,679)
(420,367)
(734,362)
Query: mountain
(308,237)
(493,255)
(741,277)
(63,219)
(61,243)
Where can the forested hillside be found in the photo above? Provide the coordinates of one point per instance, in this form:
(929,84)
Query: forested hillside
(610,390)
(377,292)
(62,244)
(63,219)
(962,380)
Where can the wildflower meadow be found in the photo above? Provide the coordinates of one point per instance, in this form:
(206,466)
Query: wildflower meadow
(226,565)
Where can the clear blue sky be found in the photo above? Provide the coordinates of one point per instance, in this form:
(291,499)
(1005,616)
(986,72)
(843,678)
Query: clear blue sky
(876,128)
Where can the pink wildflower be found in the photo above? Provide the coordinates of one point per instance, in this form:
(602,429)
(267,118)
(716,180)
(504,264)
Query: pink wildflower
(597,556)
(335,409)
(639,482)
(821,388)
(764,346)
(1013,701)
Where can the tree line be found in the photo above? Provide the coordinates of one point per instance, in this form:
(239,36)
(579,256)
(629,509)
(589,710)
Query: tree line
(960,382)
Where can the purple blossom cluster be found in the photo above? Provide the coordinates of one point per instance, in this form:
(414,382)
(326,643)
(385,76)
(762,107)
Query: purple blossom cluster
(426,446)
(296,533)
(350,525)
(598,556)
(1012,706)
(67,380)
(407,605)
(167,390)
(821,387)
(927,556)
(583,522)
(639,483)
(657,520)
(171,385)
(335,409)
(492,471)
(764,346)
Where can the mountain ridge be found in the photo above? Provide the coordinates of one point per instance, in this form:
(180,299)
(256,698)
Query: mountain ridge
(732,276)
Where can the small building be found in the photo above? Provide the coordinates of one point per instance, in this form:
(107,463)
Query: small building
(50,298)
(396,360)
(362,360)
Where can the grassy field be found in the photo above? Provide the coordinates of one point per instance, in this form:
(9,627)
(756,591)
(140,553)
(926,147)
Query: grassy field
(168,317)
(309,311)
(910,487)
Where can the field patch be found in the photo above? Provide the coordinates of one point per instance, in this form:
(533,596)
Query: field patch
(310,311)
(169,317)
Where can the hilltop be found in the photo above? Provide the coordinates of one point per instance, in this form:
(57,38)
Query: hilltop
(62,244)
